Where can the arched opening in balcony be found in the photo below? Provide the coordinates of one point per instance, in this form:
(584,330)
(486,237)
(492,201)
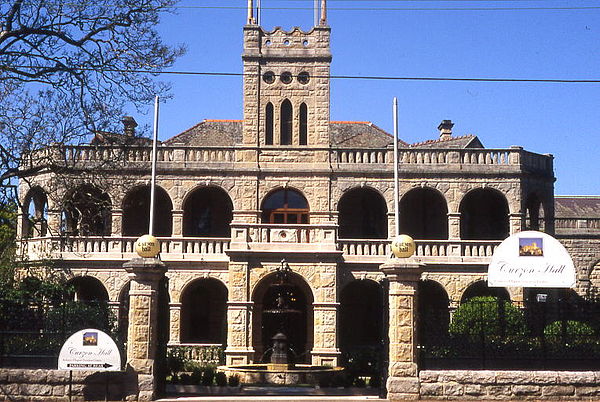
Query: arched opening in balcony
(296,322)
(484,215)
(207,212)
(362,215)
(361,325)
(88,289)
(285,206)
(534,209)
(136,212)
(86,212)
(480,288)
(204,312)
(35,213)
(433,307)
(424,214)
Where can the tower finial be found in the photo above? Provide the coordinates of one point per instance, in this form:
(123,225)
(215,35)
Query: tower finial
(323,12)
(251,12)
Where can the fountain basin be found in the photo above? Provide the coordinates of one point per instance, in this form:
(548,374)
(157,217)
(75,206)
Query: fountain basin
(282,375)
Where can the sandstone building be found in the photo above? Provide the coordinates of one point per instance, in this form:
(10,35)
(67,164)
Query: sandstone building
(286,186)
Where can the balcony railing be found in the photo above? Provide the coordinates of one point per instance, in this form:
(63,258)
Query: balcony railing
(257,237)
(182,155)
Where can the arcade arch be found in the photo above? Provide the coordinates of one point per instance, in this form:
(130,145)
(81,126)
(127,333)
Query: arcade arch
(136,210)
(285,206)
(362,215)
(204,312)
(35,213)
(87,212)
(424,214)
(484,215)
(207,212)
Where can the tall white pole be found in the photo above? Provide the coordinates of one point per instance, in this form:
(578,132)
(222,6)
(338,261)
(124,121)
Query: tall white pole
(396,180)
(153,182)
(316,12)
(258,12)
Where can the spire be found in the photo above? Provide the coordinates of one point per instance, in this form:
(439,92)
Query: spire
(323,13)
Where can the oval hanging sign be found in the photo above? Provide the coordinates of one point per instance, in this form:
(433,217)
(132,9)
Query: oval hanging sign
(89,349)
(531,259)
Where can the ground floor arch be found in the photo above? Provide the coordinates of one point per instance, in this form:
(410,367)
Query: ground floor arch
(204,312)
(283,306)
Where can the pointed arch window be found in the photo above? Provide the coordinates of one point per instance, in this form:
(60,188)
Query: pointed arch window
(285,135)
(269,124)
(303,124)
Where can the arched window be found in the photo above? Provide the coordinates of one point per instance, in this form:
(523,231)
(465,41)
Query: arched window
(303,124)
(88,289)
(362,215)
(269,124)
(424,214)
(285,135)
(87,212)
(208,211)
(285,206)
(35,213)
(484,215)
(136,212)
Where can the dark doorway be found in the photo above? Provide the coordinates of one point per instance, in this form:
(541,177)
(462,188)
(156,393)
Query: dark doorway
(204,312)
(88,289)
(136,212)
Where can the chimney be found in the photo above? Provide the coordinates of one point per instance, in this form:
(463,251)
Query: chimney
(129,125)
(445,128)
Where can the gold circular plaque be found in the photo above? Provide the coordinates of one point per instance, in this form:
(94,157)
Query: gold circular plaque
(147,246)
(403,246)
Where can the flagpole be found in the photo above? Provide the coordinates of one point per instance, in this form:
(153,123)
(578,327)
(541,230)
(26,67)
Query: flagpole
(153,181)
(396,180)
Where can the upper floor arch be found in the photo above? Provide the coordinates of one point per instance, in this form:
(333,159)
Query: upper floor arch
(35,213)
(484,215)
(86,211)
(362,214)
(424,214)
(207,212)
(136,212)
(285,206)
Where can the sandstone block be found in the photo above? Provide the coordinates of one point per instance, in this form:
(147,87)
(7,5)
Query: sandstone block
(474,390)
(432,389)
(453,389)
(558,390)
(526,390)
(404,385)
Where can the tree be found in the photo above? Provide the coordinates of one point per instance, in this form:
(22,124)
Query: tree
(67,69)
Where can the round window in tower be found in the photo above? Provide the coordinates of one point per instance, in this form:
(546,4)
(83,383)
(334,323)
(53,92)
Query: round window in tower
(286,77)
(269,77)
(303,77)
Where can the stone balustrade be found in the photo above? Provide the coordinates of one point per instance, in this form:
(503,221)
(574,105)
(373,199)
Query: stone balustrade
(339,157)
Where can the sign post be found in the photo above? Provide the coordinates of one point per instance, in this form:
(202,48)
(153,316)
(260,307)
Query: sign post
(89,349)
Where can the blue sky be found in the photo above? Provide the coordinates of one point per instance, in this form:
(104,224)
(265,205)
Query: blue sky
(560,119)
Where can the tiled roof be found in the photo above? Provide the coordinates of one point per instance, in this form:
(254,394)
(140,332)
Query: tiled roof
(210,133)
(577,207)
(465,141)
(359,134)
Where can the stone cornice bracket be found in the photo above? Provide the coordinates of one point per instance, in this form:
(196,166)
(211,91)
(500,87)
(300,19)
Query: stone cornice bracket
(402,270)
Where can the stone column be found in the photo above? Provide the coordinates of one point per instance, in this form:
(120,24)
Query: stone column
(325,351)
(454,225)
(142,334)
(403,276)
(239,316)
(175,322)
(515,222)
(116,228)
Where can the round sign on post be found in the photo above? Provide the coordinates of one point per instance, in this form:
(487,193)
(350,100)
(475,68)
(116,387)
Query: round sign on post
(89,349)
(147,246)
(403,246)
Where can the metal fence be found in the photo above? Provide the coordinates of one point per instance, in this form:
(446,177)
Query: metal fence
(489,333)
(33,331)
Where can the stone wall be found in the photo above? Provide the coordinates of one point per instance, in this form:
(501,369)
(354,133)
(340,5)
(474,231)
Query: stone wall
(53,385)
(470,384)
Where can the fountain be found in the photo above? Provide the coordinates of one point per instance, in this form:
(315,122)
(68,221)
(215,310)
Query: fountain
(281,368)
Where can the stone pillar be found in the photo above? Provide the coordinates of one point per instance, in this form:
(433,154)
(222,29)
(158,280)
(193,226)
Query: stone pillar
(142,334)
(515,223)
(239,316)
(453,225)
(325,351)
(53,222)
(116,228)
(175,322)
(403,276)
(177,223)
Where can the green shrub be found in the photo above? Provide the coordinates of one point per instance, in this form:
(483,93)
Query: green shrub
(208,376)
(360,382)
(489,316)
(570,331)
(233,381)
(221,379)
